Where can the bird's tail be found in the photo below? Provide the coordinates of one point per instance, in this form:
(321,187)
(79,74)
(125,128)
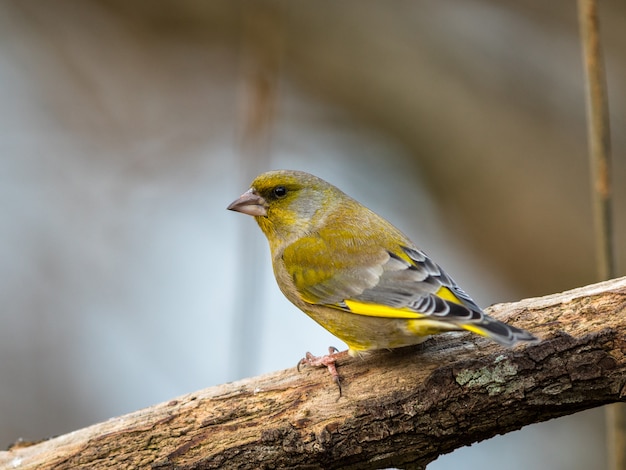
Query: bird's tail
(502,333)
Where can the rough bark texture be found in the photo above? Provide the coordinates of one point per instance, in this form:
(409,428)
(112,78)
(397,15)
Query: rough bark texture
(399,408)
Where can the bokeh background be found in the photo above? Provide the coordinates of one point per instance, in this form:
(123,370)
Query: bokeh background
(126,128)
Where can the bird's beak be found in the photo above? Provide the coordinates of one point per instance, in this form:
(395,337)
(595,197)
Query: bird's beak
(249,203)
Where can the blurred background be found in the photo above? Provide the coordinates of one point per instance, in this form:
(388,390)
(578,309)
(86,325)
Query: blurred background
(126,128)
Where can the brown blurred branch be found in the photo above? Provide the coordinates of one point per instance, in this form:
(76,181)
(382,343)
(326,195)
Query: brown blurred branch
(400,408)
(600,159)
(260,68)
(598,135)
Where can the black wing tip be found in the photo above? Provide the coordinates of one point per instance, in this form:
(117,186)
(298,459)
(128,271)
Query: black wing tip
(505,334)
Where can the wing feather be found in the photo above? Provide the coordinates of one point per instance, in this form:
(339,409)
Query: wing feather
(364,278)
(332,270)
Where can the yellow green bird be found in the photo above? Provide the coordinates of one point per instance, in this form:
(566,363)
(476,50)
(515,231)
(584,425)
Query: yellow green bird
(356,274)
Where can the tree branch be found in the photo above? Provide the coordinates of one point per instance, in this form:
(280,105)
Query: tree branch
(399,408)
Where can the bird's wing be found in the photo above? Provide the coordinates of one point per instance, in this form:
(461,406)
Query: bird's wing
(367,279)
(411,283)
(361,277)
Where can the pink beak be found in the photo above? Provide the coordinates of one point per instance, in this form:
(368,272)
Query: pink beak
(249,203)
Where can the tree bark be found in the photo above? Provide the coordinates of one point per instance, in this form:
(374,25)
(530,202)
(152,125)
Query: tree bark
(400,408)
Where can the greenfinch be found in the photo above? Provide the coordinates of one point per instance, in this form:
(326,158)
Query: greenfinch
(356,274)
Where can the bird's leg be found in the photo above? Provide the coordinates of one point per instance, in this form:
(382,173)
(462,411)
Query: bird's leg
(329,361)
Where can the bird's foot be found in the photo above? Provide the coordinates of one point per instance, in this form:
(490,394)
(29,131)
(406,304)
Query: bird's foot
(329,361)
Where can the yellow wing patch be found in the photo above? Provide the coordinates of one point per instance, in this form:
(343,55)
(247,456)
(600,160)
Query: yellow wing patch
(475,329)
(384,311)
(446,294)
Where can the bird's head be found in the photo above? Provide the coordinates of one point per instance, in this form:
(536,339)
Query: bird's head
(286,203)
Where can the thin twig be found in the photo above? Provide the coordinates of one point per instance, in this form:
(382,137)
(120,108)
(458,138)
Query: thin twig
(599,154)
(261,56)
(599,136)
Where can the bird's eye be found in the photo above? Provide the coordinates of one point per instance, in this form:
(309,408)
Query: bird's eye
(280,191)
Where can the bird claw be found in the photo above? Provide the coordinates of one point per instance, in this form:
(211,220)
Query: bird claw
(329,361)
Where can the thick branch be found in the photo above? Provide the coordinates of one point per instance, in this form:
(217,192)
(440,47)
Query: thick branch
(399,408)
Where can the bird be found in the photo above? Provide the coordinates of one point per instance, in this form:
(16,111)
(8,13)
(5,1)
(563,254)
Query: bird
(356,274)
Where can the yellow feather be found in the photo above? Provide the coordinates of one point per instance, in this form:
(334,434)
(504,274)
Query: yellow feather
(474,329)
(446,294)
(385,311)
(377,310)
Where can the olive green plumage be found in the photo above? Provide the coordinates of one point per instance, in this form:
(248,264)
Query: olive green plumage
(353,272)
